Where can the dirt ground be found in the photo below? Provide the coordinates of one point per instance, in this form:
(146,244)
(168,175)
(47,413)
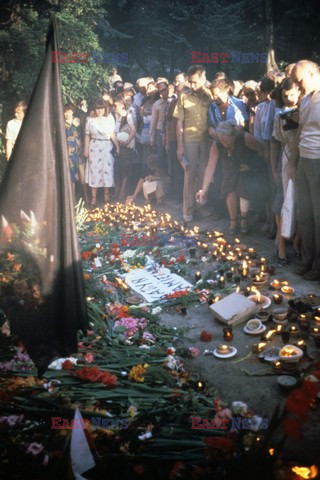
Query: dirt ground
(230,376)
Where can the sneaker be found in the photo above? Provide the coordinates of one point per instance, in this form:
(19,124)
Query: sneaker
(311,276)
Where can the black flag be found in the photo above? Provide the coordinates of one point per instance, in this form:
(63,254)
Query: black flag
(41,280)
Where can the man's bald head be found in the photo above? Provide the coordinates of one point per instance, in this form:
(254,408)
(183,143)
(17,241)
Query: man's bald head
(306,75)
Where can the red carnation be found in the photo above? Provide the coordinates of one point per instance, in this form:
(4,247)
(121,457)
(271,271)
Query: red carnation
(206,336)
(107,379)
(91,374)
(67,365)
(86,255)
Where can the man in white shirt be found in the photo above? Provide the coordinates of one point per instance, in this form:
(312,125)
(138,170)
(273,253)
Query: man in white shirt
(307,76)
(13,127)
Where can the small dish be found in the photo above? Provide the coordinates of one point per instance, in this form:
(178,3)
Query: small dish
(253,324)
(263,316)
(280,322)
(264,304)
(290,353)
(280,314)
(287,290)
(232,352)
(262,329)
(270,354)
(287,382)
(276,285)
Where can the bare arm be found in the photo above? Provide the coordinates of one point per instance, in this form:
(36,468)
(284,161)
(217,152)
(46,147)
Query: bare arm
(9,146)
(115,141)
(212,133)
(136,192)
(86,145)
(209,172)
(252,143)
(133,131)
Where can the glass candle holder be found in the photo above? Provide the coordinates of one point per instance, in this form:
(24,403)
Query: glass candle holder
(227,334)
(277,298)
(229,275)
(294,331)
(276,365)
(197,276)
(237,279)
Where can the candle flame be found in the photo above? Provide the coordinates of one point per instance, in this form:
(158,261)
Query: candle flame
(306,472)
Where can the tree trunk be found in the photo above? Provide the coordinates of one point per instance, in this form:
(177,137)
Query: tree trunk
(269,35)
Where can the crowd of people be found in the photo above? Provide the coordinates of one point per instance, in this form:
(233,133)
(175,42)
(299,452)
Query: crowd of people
(215,147)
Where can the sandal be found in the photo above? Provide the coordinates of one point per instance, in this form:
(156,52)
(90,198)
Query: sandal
(244,225)
(233,227)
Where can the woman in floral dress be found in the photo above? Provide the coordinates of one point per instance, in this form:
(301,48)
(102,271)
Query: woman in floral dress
(98,143)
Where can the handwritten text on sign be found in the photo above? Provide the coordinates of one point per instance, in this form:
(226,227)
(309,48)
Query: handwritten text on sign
(154,286)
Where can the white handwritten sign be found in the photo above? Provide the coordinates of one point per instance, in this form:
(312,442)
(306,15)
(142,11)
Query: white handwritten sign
(153,286)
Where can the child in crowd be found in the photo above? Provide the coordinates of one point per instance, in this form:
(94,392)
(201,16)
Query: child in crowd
(153,182)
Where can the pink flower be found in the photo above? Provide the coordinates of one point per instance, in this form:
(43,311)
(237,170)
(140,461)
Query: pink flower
(194,351)
(89,358)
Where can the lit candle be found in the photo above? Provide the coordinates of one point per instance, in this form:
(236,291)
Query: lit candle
(269,335)
(205,247)
(263,264)
(223,349)
(258,347)
(303,321)
(244,269)
(317,319)
(287,290)
(315,332)
(227,333)
(301,344)
(276,284)
(277,298)
(198,276)
(294,332)
(221,282)
(276,365)
(200,386)
(279,329)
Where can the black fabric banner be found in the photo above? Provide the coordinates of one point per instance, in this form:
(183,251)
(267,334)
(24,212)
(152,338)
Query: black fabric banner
(41,280)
